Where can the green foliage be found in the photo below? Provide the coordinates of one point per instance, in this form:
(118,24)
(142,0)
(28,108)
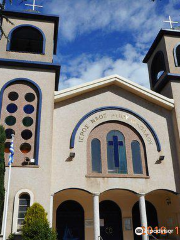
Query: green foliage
(2,171)
(11,237)
(36,211)
(36,226)
(38,230)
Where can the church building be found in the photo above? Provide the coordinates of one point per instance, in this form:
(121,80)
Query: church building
(102,158)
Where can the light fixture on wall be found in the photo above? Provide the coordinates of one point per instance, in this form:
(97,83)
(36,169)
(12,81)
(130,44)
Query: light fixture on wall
(161,158)
(70,157)
(168,201)
(72,154)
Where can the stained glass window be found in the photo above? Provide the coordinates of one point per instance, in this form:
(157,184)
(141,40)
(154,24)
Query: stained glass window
(96,156)
(136,157)
(116,153)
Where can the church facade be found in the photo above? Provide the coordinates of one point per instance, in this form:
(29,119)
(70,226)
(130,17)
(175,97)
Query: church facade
(102,158)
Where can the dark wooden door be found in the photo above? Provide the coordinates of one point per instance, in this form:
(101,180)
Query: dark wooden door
(111,219)
(151,217)
(70,221)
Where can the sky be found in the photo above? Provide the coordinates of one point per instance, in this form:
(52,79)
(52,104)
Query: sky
(99,38)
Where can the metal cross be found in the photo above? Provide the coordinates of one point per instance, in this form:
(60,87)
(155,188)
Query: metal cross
(170,22)
(116,143)
(34,5)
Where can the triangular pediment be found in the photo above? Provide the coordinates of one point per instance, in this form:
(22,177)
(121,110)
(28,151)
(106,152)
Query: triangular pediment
(120,82)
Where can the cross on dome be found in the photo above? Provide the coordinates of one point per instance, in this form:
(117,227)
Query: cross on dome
(34,5)
(171,22)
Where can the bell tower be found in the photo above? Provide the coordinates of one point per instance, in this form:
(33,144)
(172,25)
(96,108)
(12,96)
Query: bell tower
(163,60)
(28,79)
(29,36)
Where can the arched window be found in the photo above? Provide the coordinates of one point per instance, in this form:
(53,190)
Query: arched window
(26,38)
(136,157)
(115,149)
(24,204)
(96,155)
(177,55)
(20,115)
(116,152)
(158,67)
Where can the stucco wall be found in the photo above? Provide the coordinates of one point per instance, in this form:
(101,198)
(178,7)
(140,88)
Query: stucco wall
(38,179)
(48,30)
(73,174)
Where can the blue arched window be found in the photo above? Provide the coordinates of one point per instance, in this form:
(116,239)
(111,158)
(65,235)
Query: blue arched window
(177,55)
(26,38)
(158,67)
(136,157)
(96,155)
(116,153)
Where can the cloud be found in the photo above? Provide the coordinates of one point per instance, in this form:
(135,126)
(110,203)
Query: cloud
(84,16)
(141,19)
(89,67)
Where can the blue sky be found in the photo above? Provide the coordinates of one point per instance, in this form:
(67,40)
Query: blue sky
(98,38)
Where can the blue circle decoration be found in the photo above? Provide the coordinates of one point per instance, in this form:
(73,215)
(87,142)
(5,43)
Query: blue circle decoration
(28,109)
(11,108)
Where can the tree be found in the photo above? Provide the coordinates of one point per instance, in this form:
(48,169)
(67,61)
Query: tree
(2,171)
(2,8)
(36,225)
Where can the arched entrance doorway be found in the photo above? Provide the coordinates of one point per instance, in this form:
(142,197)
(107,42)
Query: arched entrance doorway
(70,221)
(111,221)
(151,217)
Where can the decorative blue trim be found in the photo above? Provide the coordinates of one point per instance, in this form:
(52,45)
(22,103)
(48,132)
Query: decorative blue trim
(175,55)
(8,48)
(31,64)
(73,136)
(36,152)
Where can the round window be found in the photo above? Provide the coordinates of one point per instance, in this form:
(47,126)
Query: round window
(29,97)
(25,147)
(27,121)
(6,147)
(11,108)
(26,134)
(9,133)
(10,121)
(28,109)
(13,96)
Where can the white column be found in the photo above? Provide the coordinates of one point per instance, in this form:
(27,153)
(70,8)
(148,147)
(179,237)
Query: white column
(143,215)
(5,199)
(96,216)
(51,211)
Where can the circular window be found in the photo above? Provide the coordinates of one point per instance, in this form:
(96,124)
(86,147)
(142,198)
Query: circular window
(25,147)
(27,121)
(11,108)
(13,96)
(28,109)
(26,134)
(6,147)
(9,132)
(29,97)
(10,121)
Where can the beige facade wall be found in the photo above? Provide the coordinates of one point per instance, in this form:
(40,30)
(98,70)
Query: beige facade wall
(72,174)
(48,30)
(35,179)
